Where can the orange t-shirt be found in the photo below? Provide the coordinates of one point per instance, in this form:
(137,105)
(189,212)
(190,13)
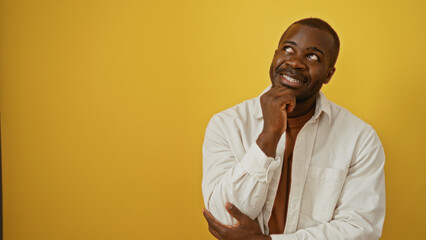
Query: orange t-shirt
(279,210)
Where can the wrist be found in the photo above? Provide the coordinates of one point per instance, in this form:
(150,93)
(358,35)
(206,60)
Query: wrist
(272,131)
(267,142)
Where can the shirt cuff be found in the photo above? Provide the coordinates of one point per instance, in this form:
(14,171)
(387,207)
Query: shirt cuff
(291,236)
(257,164)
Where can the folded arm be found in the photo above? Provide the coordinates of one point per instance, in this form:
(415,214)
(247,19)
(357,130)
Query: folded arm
(359,213)
(243,182)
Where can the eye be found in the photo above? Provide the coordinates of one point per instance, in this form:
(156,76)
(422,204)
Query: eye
(288,49)
(313,57)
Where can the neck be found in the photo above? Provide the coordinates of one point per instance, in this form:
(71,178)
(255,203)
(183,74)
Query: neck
(303,107)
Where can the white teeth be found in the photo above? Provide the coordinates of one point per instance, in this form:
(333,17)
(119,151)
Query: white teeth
(291,79)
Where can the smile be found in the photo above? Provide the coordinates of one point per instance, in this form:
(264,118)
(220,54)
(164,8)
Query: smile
(291,79)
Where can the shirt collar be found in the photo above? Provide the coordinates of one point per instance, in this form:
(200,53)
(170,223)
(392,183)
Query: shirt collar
(322,105)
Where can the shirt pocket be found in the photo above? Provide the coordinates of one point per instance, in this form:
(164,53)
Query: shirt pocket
(320,195)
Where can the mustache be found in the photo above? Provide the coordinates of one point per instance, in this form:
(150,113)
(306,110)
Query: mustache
(291,72)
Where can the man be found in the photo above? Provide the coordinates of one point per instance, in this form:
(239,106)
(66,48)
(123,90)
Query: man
(290,164)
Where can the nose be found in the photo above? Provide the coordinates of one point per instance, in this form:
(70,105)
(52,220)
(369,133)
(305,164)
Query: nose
(296,63)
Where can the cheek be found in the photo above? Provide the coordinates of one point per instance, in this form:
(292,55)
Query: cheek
(278,60)
(282,59)
(318,74)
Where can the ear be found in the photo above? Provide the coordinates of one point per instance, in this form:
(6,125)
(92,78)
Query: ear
(329,75)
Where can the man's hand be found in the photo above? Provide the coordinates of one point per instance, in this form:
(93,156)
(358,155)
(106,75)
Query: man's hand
(245,229)
(276,103)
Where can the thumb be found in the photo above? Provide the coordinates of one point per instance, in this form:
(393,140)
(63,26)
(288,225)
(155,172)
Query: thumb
(236,213)
(291,106)
(284,113)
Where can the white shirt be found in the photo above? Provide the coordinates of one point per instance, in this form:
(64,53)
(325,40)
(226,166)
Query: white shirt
(337,188)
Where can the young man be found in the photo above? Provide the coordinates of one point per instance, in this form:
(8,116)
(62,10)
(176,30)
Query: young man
(290,164)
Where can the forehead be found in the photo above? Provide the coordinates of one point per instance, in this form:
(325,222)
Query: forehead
(305,37)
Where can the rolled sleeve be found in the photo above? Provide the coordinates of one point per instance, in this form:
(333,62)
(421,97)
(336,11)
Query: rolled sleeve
(258,165)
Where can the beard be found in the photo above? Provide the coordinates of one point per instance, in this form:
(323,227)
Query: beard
(310,90)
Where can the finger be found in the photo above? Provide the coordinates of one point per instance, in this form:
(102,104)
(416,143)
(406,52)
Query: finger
(291,105)
(215,224)
(276,94)
(236,213)
(215,233)
(288,102)
(278,90)
(281,93)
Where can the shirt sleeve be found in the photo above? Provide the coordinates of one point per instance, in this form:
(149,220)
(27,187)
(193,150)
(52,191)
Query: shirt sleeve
(360,211)
(243,182)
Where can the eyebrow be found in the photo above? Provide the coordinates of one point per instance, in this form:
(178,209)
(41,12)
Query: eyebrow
(309,48)
(290,42)
(316,49)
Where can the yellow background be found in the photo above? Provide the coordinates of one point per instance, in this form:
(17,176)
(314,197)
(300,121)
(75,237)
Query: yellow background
(104,106)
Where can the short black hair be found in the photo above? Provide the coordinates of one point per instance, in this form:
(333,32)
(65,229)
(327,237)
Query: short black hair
(322,25)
